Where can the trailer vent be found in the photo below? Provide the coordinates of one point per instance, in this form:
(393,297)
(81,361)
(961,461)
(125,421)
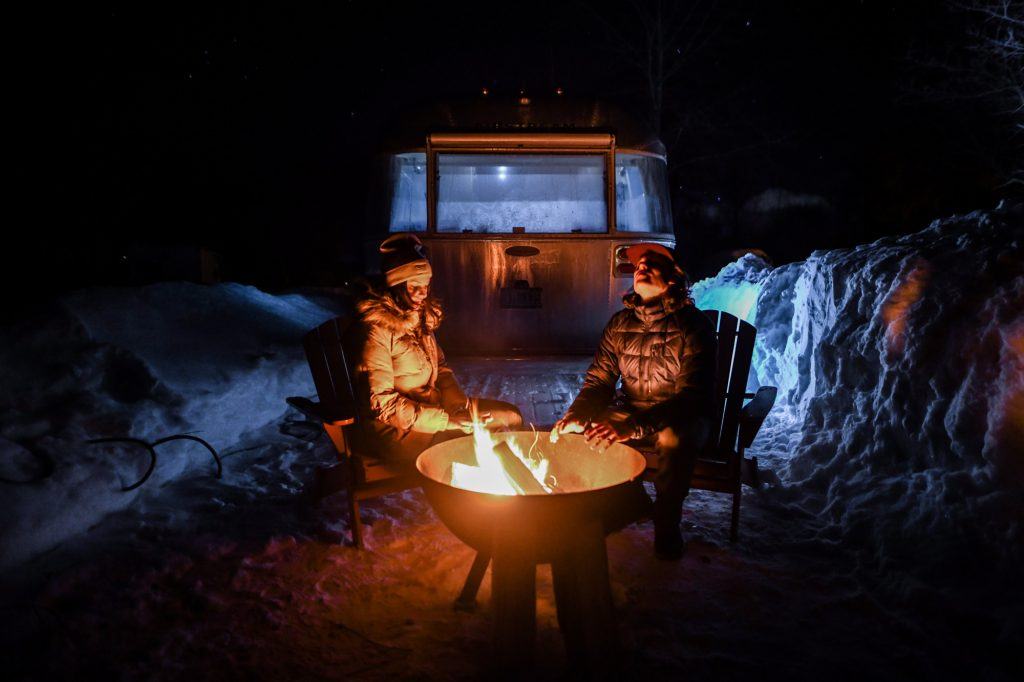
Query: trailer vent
(521,295)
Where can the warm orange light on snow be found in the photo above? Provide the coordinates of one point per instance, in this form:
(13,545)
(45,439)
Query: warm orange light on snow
(1010,425)
(899,302)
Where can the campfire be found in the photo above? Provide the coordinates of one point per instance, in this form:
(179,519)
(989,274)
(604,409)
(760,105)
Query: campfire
(502,469)
(525,463)
(521,500)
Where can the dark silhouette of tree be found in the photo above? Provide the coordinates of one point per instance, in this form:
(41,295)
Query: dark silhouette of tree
(657,38)
(985,70)
(995,32)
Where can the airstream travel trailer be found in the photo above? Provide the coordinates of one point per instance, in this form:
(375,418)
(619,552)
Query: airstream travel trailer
(525,207)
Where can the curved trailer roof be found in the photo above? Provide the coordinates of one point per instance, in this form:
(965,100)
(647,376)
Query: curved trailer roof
(492,114)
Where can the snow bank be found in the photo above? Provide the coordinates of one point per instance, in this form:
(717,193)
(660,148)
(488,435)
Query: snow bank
(735,289)
(900,366)
(170,358)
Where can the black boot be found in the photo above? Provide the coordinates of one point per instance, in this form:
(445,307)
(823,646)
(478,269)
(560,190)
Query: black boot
(668,542)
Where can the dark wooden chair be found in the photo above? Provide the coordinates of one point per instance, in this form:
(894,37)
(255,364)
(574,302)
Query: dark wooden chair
(361,474)
(723,468)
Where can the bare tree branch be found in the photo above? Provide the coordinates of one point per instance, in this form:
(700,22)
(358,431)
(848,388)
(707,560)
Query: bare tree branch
(656,38)
(988,68)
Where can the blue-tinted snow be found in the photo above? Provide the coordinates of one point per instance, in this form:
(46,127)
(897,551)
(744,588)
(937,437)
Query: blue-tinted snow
(900,364)
(213,361)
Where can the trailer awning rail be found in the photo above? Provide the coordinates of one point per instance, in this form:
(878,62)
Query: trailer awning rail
(519,141)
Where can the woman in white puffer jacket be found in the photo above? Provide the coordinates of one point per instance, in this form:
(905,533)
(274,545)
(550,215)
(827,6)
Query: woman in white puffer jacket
(408,396)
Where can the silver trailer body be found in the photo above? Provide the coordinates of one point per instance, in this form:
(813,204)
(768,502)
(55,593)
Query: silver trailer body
(555,300)
(526,222)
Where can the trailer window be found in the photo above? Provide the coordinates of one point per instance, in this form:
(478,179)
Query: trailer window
(407,181)
(487,193)
(641,194)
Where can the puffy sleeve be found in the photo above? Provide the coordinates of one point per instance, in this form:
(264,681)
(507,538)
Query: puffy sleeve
(376,377)
(452,397)
(602,377)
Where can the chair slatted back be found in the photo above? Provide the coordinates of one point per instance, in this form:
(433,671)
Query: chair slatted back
(735,354)
(325,353)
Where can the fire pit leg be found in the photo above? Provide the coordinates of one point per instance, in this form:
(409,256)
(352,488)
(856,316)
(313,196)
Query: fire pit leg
(584,601)
(466,600)
(514,595)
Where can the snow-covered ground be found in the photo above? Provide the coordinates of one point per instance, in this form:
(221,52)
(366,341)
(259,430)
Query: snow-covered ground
(891,547)
(151,362)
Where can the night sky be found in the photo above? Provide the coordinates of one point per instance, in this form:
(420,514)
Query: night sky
(251,130)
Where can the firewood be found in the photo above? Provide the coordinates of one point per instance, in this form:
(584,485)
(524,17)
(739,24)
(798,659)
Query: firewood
(518,471)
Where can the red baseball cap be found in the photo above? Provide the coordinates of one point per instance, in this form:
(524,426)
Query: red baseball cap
(637,251)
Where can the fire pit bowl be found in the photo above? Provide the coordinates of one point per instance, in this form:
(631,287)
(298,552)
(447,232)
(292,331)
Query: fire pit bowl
(560,516)
(590,486)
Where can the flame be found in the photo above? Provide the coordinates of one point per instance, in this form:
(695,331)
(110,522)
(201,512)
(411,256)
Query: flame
(489,474)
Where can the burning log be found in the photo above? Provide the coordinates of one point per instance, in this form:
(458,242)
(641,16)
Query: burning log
(517,471)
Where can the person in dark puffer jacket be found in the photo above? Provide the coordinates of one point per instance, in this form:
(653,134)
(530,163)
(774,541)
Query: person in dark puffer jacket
(664,350)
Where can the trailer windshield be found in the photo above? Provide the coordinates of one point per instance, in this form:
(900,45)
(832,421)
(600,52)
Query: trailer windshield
(495,193)
(641,194)
(407,181)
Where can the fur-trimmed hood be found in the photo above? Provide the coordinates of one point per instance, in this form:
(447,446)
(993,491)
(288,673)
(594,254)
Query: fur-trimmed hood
(379,308)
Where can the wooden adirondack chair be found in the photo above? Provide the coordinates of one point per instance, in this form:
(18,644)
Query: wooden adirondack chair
(363,475)
(723,468)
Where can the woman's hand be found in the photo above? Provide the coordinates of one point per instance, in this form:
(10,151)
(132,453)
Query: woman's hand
(430,419)
(463,419)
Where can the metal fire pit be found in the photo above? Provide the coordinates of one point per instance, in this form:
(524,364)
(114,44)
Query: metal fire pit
(566,529)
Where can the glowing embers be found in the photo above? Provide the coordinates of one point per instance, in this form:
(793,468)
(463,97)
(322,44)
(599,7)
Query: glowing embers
(502,468)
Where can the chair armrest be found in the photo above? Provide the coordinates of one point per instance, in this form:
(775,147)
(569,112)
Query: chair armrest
(753,414)
(322,413)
